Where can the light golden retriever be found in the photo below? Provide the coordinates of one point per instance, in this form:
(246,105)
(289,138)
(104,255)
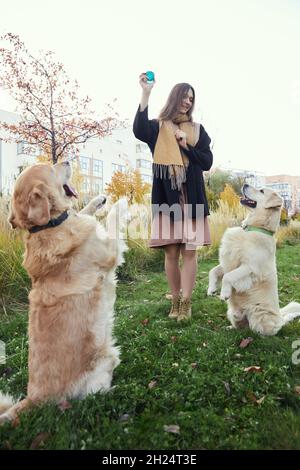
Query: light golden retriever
(72,268)
(247,267)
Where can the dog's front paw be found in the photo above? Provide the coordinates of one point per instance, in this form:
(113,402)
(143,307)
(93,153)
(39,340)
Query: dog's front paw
(5,418)
(211,291)
(225,293)
(98,201)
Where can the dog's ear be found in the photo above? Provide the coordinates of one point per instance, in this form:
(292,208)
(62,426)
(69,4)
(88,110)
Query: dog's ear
(39,207)
(273,201)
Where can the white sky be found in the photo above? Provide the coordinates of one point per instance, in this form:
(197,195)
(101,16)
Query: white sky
(241,56)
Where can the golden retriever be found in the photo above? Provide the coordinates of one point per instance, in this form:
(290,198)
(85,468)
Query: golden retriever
(247,267)
(71,260)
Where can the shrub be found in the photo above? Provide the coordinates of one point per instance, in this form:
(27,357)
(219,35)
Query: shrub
(139,259)
(284,216)
(296,216)
(219,220)
(289,234)
(14,281)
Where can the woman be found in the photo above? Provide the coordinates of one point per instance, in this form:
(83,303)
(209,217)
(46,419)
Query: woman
(181,153)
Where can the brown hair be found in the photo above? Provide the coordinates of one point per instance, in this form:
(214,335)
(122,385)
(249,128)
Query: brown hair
(170,109)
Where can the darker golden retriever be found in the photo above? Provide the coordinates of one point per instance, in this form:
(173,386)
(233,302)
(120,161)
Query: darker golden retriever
(71,260)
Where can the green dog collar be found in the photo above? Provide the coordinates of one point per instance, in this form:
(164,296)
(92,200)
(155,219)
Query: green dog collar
(252,228)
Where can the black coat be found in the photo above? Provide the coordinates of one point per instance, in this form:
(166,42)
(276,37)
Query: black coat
(200,159)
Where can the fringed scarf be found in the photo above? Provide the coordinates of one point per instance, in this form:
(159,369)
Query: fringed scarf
(169,160)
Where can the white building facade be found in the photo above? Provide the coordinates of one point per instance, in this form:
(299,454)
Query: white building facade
(289,189)
(11,156)
(98,158)
(255,178)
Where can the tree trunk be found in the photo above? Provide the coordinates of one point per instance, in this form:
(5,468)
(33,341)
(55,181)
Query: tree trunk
(54,157)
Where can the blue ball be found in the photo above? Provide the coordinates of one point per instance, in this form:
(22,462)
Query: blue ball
(150,76)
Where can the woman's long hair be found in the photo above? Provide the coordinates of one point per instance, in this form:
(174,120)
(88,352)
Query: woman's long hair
(170,109)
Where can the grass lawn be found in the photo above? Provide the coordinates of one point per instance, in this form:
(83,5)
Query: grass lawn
(195,371)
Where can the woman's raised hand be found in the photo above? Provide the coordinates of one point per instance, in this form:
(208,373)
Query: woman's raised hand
(147,87)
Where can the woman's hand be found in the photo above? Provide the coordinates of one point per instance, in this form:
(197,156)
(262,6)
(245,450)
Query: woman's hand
(181,138)
(147,87)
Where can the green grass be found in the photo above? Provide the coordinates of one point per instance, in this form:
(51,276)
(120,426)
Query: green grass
(201,385)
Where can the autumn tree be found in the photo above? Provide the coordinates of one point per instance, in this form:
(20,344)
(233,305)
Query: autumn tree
(128,184)
(229,196)
(212,197)
(284,217)
(217,180)
(54,117)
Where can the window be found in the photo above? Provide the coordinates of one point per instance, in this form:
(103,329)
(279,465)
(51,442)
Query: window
(287,203)
(85,185)
(116,167)
(146,178)
(97,186)
(37,151)
(20,147)
(141,163)
(84,164)
(142,148)
(98,168)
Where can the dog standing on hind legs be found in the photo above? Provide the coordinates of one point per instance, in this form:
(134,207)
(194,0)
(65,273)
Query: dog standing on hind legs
(247,270)
(71,260)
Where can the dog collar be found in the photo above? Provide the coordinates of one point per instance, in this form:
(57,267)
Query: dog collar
(252,228)
(51,223)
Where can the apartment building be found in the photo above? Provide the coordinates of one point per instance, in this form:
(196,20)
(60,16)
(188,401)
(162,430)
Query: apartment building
(98,158)
(11,156)
(288,187)
(255,178)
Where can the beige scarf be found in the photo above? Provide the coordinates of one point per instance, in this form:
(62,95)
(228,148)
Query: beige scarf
(169,160)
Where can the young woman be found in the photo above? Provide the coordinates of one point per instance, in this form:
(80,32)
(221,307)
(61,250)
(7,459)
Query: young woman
(181,153)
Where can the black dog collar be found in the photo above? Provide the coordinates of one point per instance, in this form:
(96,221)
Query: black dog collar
(51,223)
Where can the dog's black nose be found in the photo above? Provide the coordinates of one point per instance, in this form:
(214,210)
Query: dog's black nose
(104,199)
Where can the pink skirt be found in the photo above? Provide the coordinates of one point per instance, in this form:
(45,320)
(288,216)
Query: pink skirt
(190,232)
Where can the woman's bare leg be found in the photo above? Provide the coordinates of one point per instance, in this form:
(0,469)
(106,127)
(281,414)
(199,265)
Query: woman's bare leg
(188,272)
(172,253)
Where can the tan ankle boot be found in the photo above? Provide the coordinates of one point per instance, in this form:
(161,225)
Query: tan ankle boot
(174,312)
(185,310)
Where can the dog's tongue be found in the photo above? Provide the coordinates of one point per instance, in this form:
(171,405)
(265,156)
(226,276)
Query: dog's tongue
(70,191)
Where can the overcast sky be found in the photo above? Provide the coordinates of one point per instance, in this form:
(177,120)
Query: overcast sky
(241,56)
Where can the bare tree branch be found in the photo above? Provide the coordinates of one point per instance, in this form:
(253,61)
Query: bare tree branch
(43,91)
